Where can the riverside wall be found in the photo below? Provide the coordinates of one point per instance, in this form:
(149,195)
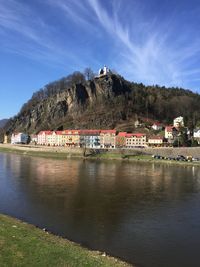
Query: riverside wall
(162,151)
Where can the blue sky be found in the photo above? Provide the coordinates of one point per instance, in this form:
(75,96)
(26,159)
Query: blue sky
(149,41)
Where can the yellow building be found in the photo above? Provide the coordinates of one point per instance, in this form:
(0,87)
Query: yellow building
(71,138)
(54,138)
(5,141)
(107,138)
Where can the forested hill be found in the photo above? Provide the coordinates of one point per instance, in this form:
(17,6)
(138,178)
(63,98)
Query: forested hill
(106,102)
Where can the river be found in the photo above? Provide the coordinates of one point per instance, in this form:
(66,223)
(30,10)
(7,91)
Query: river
(147,214)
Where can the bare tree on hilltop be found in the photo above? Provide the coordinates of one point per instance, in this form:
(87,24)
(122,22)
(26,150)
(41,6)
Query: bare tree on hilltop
(89,74)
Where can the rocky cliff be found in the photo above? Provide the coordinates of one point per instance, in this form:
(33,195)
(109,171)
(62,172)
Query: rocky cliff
(81,106)
(106,102)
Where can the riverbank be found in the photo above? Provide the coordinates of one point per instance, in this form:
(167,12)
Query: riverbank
(22,244)
(133,155)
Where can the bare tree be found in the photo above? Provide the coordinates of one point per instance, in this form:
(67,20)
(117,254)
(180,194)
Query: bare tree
(89,74)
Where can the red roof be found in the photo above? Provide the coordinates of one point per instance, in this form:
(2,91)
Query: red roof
(45,132)
(122,134)
(169,128)
(108,131)
(69,132)
(58,132)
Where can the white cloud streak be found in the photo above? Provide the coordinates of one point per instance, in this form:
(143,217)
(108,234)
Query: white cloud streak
(24,32)
(147,49)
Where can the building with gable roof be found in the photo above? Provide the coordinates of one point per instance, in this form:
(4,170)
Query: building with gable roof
(136,140)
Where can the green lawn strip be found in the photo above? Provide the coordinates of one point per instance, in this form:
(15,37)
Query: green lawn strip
(22,244)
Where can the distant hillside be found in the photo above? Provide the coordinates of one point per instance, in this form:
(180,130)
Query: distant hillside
(106,102)
(3,122)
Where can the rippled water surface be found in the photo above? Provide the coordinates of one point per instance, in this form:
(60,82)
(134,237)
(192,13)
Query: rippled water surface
(146,214)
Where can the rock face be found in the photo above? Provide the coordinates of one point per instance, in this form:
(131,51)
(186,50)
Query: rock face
(107,102)
(79,107)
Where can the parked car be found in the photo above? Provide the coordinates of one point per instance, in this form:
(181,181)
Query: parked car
(181,158)
(195,159)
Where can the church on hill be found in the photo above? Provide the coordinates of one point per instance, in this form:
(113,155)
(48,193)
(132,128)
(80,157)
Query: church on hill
(104,71)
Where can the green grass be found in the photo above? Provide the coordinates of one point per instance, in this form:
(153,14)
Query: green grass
(22,244)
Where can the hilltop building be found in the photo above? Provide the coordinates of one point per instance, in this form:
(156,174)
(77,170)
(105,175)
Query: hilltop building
(104,71)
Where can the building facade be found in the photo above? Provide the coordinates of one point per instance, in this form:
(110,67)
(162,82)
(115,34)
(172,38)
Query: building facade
(71,138)
(170,132)
(90,139)
(136,140)
(120,140)
(107,138)
(196,135)
(42,137)
(19,138)
(155,141)
(178,122)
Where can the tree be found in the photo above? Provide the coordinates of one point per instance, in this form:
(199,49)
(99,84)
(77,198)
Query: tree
(89,74)
(77,77)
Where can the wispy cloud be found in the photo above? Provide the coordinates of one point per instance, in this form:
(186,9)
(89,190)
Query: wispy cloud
(25,32)
(147,50)
(150,48)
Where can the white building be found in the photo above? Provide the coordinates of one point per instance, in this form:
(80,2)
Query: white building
(104,71)
(170,132)
(42,137)
(19,138)
(178,122)
(157,126)
(155,141)
(196,135)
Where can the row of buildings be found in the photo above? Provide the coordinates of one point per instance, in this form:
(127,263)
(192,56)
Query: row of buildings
(96,139)
(107,138)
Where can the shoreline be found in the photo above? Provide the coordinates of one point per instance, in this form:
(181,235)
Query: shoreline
(66,153)
(25,244)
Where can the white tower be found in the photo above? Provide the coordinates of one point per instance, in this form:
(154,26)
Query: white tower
(105,70)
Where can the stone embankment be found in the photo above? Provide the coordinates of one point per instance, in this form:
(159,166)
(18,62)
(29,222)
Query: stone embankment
(174,152)
(163,151)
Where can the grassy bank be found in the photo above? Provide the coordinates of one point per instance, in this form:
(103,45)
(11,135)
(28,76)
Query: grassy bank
(109,155)
(22,244)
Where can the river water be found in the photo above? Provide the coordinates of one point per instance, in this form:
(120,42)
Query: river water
(147,214)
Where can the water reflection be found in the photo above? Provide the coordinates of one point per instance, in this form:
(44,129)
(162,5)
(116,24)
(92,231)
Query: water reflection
(140,212)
